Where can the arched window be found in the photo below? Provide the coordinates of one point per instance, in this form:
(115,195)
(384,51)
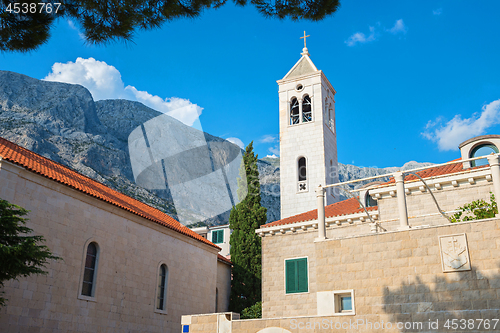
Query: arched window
(161,299)
(481,150)
(306,109)
(90,272)
(302,169)
(369,201)
(294,111)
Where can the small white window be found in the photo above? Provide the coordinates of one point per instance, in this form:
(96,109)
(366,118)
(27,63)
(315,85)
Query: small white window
(344,302)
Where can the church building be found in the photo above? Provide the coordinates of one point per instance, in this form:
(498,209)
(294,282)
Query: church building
(125,267)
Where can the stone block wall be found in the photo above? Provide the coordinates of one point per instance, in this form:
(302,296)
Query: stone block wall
(275,249)
(131,251)
(396,277)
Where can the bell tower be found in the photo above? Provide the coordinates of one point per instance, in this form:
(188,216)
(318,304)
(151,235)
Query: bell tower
(308,141)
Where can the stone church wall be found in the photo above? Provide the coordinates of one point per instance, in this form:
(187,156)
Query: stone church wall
(131,251)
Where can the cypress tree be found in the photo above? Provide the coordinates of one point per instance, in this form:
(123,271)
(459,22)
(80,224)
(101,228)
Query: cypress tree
(246,253)
(21,254)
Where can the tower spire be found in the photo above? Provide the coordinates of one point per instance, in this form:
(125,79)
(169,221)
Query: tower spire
(304,50)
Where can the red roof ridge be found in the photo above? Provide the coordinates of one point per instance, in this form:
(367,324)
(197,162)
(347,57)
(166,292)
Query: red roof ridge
(62,174)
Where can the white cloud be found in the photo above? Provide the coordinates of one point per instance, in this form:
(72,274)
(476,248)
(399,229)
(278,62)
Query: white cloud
(72,25)
(237,142)
(375,32)
(399,27)
(361,38)
(457,130)
(272,156)
(105,82)
(268,138)
(438,11)
(275,150)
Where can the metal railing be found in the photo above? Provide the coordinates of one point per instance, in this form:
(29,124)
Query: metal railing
(494,166)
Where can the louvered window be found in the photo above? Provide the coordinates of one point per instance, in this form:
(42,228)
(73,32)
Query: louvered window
(296,275)
(218,236)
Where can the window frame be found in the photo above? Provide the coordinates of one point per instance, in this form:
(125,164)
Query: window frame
(337,302)
(474,150)
(80,295)
(291,107)
(303,120)
(298,290)
(217,232)
(165,289)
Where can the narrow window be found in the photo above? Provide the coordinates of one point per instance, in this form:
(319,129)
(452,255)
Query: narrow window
(162,288)
(216,300)
(306,110)
(296,275)
(218,236)
(302,169)
(89,274)
(294,111)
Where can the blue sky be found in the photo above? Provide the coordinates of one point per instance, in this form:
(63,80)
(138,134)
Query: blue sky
(413,79)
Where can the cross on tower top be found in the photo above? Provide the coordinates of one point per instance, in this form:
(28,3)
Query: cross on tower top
(305,39)
(304,50)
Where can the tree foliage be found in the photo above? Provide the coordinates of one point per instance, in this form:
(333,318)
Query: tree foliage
(476,210)
(20,255)
(246,254)
(252,312)
(109,20)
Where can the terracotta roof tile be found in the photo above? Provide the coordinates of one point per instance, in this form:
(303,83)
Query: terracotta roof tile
(64,175)
(346,207)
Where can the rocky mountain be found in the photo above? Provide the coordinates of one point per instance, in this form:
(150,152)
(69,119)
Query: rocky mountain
(62,122)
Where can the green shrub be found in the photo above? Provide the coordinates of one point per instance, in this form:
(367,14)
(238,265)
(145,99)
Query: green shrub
(476,210)
(254,311)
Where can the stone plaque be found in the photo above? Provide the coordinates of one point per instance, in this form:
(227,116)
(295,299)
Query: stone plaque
(454,253)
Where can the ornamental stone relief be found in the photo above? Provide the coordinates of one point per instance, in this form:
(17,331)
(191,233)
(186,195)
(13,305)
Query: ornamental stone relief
(454,253)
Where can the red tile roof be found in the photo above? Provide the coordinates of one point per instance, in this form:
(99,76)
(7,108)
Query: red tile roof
(61,174)
(223,259)
(346,207)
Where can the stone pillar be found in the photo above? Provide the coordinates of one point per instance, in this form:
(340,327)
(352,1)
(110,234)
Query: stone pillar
(320,195)
(494,161)
(300,110)
(400,192)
